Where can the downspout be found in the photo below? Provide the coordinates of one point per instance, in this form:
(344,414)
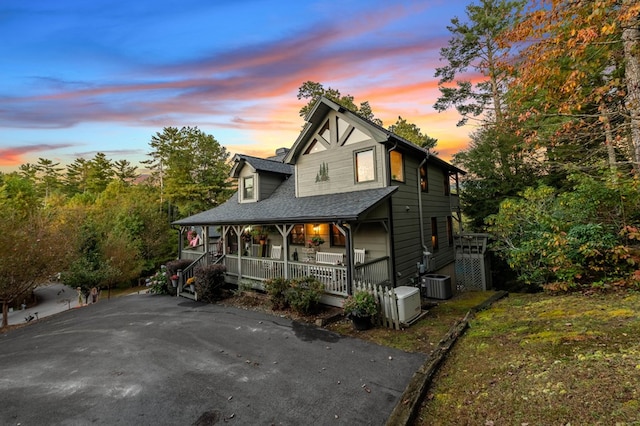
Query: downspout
(392,248)
(420,212)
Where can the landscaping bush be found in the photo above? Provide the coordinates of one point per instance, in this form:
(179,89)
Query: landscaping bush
(276,289)
(159,282)
(303,295)
(209,281)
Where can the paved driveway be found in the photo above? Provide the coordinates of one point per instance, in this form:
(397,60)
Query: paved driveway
(158,360)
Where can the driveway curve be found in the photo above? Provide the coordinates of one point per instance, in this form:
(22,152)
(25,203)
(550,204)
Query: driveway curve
(159,360)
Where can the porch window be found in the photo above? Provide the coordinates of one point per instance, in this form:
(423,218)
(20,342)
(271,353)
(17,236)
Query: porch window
(434,233)
(337,238)
(297,235)
(247,188)
(424,181)
(396,161)
(365,166)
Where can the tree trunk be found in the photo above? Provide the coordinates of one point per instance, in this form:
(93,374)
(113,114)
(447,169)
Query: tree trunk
(631,43)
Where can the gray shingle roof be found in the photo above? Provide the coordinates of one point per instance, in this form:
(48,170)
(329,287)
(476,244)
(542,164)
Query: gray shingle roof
(264,165)
(284,207)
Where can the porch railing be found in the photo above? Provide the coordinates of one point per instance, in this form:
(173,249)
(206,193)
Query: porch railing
(373,272)
(186,273)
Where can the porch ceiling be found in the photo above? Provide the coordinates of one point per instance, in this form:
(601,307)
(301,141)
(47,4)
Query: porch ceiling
(284,207)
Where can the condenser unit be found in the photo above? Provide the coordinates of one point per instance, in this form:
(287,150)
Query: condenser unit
(408,303)
(436,286)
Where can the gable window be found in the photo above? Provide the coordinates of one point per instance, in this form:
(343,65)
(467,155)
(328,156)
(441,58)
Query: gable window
(337,238)
(314,146)
(434,233)
(365,166)
(424,181)
(396,161)
(247,188)
(325,132)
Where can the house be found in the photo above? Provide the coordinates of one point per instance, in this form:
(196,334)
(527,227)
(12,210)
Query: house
(381,209)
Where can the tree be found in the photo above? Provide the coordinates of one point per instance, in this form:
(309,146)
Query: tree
(313,91)
(578,75)
(77,176)
(475,48)
(48,174)
(100,173)
(412,133)
(124,171)
(193,168)
(33,240)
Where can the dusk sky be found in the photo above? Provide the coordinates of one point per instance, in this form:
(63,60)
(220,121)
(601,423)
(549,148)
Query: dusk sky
(81,77)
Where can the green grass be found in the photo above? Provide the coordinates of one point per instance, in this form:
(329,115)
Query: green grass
(539,360)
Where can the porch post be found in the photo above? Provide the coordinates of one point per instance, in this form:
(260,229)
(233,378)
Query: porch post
(346,230)
(284,232)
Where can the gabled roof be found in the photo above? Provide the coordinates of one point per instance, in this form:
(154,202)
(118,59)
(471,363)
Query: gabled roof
(260,165)
(323,106)
(283,207)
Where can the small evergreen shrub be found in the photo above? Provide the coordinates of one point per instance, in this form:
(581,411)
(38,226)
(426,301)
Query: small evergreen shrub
(276,288)
(303,295)
(209,281)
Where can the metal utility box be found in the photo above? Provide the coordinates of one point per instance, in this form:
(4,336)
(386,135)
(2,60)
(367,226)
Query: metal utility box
(436,286)
(409,306)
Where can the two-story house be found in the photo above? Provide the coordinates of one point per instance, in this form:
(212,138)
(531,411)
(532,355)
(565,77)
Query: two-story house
(379,208)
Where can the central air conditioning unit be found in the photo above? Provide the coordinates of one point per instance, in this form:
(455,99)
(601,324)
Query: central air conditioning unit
(409,306)
(436,286)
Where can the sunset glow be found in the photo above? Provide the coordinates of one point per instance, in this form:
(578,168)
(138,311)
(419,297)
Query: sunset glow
(85,77)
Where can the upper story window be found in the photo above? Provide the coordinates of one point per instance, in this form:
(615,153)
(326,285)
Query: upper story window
(248,190)
(424,181)
(396,161)
(365,166)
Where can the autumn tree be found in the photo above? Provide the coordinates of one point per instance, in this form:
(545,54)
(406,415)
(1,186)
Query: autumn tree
(33,241)
(578,77)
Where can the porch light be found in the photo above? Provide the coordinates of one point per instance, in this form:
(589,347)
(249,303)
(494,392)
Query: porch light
(316,228)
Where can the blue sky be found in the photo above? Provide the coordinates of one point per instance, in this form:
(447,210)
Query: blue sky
(81,77)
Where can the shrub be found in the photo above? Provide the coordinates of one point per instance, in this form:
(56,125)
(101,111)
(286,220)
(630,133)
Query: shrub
(304,294)
(209,281)
(360,304)
(276,289)
(158,283)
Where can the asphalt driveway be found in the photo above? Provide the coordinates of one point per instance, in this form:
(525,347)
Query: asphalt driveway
(159,360)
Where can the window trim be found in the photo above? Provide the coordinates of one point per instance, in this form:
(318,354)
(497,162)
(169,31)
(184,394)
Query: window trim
(425,178)
(435,245)
(332,236)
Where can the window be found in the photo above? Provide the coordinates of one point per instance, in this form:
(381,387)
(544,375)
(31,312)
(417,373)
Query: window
(297,234)
(365,166)
(397,166)
(450,230)
(424,181)
(337,237)
(314,146)
(247,188)
(325,132)
(434,233)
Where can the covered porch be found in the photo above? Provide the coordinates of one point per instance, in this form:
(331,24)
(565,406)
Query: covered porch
(255,253)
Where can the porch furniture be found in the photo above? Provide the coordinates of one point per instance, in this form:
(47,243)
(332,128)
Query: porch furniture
(329,258)
(272,266)
(358,256)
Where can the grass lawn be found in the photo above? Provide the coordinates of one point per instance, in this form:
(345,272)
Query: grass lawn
(535,359)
